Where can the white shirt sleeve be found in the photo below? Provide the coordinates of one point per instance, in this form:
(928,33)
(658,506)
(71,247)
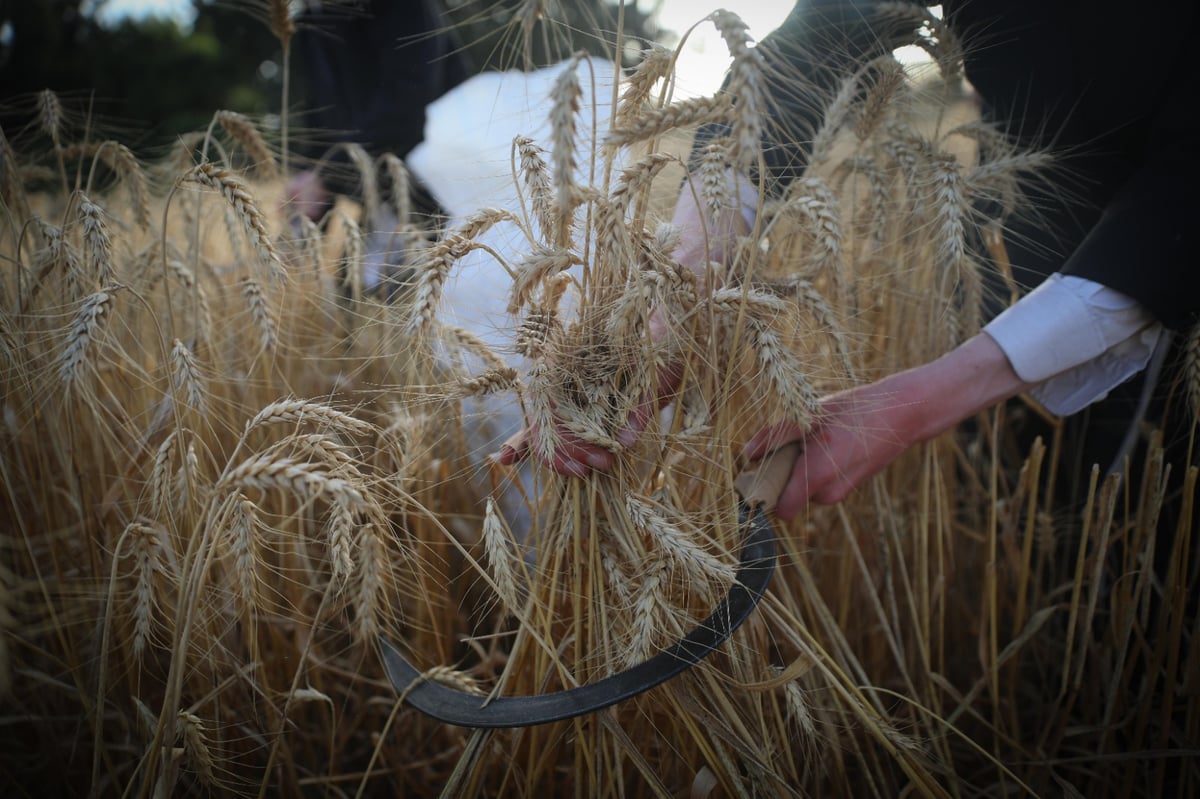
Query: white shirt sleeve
(1077,339)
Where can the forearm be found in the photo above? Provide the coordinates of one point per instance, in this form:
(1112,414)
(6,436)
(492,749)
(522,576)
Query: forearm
(923,402)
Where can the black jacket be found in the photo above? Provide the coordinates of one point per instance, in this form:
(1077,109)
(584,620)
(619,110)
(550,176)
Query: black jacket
(368,70)
(1107,86)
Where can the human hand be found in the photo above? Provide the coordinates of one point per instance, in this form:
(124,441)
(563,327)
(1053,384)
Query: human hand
(863,429)
(858,433)
(573,457)
(305,194)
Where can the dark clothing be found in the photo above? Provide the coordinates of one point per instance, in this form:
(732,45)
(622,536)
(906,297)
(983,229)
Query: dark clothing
(1109,99)
(1108,92)
(370,68)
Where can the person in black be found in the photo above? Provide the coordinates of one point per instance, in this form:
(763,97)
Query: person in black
(1107,89)
(369,68)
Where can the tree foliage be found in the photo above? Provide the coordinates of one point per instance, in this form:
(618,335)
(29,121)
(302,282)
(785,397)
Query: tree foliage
(153,80)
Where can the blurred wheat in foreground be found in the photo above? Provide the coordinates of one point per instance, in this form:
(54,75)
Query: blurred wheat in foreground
(229,466)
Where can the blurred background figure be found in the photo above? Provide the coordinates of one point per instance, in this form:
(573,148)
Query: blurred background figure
(368,69)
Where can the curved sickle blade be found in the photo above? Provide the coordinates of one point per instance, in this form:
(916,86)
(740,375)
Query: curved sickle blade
(755,567)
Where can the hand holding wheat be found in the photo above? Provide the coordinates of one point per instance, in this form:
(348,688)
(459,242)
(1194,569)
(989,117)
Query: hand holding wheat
(863,429)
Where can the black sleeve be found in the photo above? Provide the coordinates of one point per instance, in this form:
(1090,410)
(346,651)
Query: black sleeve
(1144,243)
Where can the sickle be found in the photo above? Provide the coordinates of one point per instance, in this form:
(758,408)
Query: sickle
(758,489)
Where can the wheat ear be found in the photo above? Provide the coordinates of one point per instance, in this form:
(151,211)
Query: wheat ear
(261,313)
(239,198)
(242,130)
(84,330)
(564,98)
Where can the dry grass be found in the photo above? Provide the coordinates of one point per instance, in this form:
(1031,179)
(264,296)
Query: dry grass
(224,476)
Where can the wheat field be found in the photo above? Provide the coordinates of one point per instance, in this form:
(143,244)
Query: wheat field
(229,467)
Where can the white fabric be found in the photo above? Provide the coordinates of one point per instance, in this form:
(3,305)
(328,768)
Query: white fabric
(465,160)
(1077,339)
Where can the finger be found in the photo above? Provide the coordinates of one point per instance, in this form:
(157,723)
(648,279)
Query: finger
(772,438)
(515,448)
(566,454)
(794,497)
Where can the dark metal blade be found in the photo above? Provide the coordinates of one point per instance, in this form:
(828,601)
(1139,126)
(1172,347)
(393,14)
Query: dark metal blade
(442,702)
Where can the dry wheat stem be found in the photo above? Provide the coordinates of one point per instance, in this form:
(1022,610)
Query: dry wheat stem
(367,179)
(121,161)
(931,34)
(352,258)
(695,560)
(295,411)
(493,381)
(1192,366)
(745,84)
(244,532)
(159,475)
(262,314)
(535,174)
(341,530)
(197,294)
(541,265)
(304,480)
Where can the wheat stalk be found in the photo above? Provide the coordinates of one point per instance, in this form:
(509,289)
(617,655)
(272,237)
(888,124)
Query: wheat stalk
(96,242)
(196,747)
(655,65)
(240,200)
(147,552)
(696,562)
(400,189)
(50,116)
(295,411)
(352,259)
(540,265)
(261,313)
(497,544)
(745,84)
(198,295)
(243,546)
(301,479)
(564,107)
(341,530)
(370,598)
(493,381)
(12,186)
(368,181)
(657,121)
(242,130)
(648,608)
(121,161)
(159,475)
(84,330)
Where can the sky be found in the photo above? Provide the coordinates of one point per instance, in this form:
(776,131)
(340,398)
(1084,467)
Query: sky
(703,60)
